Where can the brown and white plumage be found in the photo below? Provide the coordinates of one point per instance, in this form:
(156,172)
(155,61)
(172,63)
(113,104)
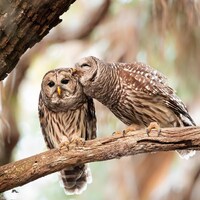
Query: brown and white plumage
(66,113)
(136,93)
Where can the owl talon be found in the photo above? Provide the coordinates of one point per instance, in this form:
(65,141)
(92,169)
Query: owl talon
(64,145)
(153,125)
(77,141)
(124,132)
(117,133)
(132,127)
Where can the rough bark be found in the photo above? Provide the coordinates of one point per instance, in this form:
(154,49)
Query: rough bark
(24,23)
(23,171)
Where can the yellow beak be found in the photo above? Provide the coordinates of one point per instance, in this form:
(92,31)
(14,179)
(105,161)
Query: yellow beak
(59,90)
(74,70)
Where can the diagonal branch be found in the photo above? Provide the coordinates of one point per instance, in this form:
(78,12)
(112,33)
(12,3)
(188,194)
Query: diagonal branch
(23,24)
(23,171)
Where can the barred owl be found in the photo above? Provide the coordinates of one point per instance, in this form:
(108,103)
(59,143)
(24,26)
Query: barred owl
(65,114)
(136,93)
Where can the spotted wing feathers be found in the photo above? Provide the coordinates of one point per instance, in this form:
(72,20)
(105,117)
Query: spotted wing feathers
(151,83)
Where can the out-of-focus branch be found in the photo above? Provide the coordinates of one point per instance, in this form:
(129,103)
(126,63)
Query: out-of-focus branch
(21,172)
(9,130)
(90,20)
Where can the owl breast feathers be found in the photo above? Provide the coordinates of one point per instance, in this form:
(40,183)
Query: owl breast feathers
(136,93)
(66,114)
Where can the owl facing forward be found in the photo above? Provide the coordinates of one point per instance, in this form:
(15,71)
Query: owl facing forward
(65,114)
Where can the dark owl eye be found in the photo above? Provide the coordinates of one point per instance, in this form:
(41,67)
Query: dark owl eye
(85,65)
(64,81)
(51,84)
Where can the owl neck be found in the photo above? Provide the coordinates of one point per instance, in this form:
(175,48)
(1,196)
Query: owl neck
(105,87)
(62,106)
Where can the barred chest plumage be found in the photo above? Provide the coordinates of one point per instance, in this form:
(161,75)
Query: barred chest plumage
(64,126)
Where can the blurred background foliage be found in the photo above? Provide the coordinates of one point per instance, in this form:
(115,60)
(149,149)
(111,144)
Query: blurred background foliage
(163,33)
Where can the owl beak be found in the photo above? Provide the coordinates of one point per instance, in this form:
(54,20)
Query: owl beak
(77,72)
(74,70)
(59,90)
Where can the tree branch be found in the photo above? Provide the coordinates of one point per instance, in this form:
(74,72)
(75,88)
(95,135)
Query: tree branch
(23,171)
(24,23)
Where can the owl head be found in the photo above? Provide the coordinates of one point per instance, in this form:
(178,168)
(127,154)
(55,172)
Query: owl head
(88,69)
(61,91)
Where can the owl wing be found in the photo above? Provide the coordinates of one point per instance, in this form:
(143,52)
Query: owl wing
(150,83)
(91,120)
(42,109)
(142,77)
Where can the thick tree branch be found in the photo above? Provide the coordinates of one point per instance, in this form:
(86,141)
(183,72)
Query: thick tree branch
(24,23)
(23,171)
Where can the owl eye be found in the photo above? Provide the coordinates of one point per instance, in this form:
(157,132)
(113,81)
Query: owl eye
(85,65)
(51,84)
(64,81)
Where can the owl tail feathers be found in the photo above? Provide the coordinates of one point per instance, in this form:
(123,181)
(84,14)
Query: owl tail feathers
(75,179)
(187,121)
(186,154)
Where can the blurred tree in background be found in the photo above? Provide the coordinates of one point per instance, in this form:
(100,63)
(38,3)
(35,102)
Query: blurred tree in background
(163,33)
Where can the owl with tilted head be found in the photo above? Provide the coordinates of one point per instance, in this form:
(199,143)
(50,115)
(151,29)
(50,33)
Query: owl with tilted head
(136,93)
(65,114)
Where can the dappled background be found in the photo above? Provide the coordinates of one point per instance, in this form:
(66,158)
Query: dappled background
(163,33)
